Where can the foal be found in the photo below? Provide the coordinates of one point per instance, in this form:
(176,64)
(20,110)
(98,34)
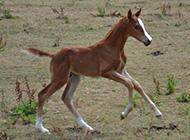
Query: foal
(103,59)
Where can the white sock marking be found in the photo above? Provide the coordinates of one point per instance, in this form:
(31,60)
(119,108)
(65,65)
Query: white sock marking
(82,123)
(39,125)
(154,107)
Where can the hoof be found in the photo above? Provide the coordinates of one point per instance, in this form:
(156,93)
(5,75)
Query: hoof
(43,130)
(88,131)
(122,116)
(94,132)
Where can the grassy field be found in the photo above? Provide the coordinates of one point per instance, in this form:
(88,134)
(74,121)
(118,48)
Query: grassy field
(100,101)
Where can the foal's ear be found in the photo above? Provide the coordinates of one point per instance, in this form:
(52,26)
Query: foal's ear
(137,14)
(129,15)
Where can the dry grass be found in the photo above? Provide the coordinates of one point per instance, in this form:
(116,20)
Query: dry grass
(100,101)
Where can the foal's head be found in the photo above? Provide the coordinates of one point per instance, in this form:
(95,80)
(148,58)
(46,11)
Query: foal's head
(136,28)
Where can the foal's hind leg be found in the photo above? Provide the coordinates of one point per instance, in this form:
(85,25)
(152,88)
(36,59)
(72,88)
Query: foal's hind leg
(139,88)
(43,96)
(67,98)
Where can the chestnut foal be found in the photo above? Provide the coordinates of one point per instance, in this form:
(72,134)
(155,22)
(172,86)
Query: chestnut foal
(103,59)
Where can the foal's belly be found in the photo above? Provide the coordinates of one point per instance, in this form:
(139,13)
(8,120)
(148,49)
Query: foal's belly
(85,64)
(85,69)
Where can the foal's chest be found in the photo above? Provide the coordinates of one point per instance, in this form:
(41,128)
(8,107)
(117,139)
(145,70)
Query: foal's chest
(112,63)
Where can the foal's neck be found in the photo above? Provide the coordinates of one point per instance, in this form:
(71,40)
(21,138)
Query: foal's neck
(117,36)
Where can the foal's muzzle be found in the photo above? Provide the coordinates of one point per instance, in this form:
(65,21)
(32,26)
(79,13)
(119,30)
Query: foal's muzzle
(146,41)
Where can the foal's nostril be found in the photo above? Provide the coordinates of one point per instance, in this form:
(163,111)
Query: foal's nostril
(149,42)
(146,42)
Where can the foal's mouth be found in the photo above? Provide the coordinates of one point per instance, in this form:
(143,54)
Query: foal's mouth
(147,43)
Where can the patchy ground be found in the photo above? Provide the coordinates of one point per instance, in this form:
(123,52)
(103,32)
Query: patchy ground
(100,101)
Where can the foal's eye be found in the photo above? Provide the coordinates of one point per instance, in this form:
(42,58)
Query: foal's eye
(136,27)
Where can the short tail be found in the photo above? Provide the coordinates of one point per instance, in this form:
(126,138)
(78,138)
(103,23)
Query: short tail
(39,52)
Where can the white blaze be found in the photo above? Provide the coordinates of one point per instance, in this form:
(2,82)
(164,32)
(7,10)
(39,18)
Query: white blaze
(145,32)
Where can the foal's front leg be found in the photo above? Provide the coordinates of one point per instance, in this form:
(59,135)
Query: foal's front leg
(118,77)
(139,88)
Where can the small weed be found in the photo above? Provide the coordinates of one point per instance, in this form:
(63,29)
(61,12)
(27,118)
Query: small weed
(56,42)
(1,2)
(135,100)
(149,136)
(61,14)
(171,84)
(115,13)
(3,43)
(183,98)
(165,9)
(157,85)
(180,4)
(3,103)
(26,108)
(154,98)
(101,12)
(4,136)
(108,3)
(26,111)
(178,24)
(66,19)
(6,14)
(179,14)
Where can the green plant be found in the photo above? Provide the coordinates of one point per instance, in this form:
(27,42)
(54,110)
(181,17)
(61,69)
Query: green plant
(154,98)
(183,98)
(26,108)
(25,111)
(61,14)
(1,2)
(165,9)
(135,99)
(108,3)
(101,12)
(171,84)
(7,14)
(66,19)
(157,85)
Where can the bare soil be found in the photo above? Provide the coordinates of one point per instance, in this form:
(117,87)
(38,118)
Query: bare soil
(100,101)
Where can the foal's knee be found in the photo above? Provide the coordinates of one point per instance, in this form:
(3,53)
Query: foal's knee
(41,99)
(130,85)
(137,86)
(67,101)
